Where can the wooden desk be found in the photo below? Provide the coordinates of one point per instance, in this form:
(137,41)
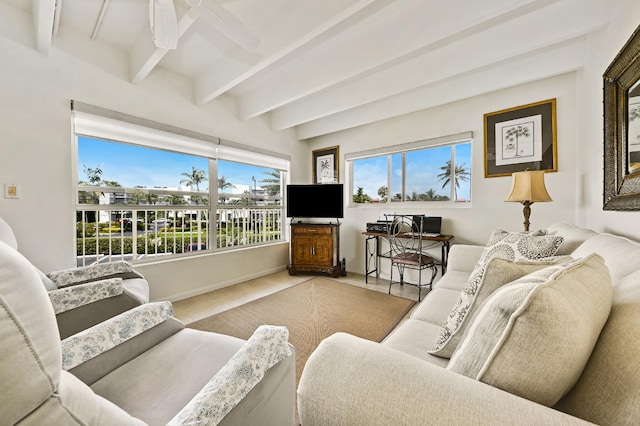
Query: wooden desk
(372,251)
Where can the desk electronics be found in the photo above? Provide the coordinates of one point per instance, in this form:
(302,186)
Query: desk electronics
(379,226)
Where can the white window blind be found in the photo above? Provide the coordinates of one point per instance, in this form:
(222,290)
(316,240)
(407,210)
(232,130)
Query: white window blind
(97,122)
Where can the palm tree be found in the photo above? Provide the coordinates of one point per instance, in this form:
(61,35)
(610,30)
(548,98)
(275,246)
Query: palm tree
(222,185)
(94,178)
(271,184)
(196,177)
(360,196)
(383,191)
(460,173)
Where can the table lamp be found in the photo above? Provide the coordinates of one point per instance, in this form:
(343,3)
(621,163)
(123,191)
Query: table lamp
(528,188)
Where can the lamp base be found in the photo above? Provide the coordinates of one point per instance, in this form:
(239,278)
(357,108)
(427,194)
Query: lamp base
(527,213)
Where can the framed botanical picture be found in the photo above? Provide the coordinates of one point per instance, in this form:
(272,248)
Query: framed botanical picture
(521,138)
(325,165)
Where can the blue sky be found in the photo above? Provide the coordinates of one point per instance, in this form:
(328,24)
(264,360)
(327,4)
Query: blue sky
(131,165)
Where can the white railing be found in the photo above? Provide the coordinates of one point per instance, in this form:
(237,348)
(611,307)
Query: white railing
(133,232)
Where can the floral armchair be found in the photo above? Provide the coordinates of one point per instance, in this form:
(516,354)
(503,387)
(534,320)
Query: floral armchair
(85,296)
(139,367)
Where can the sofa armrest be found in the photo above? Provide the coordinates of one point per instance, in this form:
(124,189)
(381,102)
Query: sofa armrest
(67,298)
(102,337)
(463,257)
(349,381)
(265,348)
(84,274)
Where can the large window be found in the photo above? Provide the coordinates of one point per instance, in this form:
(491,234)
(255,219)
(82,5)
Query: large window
(413,172)
(139,201)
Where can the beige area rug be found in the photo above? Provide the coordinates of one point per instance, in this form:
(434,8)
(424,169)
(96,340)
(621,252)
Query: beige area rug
(312,311)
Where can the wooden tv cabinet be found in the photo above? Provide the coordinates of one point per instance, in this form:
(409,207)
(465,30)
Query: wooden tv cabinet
(315,247)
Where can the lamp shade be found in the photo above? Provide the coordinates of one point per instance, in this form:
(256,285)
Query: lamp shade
(528,186)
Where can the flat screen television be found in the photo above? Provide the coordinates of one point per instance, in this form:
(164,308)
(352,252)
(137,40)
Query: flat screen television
(317,201)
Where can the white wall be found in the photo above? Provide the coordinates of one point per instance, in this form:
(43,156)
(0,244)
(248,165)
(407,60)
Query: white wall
(36,153)
(472,223)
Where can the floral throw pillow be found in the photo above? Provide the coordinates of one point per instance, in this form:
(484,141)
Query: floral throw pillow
(488,276)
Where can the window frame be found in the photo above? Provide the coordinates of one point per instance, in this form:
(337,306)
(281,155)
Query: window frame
(404,148)
(121,128)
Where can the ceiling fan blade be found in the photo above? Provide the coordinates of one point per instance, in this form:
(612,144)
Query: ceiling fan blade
(218,17)
(164,23)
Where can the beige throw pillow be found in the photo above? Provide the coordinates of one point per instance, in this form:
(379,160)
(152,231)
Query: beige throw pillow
(483,282)
(512,246)
(534,336)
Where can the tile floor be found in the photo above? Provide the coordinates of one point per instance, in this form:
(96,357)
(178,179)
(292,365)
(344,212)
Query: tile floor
(207,304)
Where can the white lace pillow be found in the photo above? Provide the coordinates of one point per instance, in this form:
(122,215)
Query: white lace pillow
(513,246)
(533,337)
(519,246)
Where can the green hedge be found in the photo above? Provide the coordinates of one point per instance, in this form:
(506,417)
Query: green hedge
(124,245)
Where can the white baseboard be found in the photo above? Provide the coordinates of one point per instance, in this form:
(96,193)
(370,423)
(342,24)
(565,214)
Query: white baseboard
(219,285)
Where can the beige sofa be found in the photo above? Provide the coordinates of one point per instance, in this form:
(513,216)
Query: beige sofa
(579,363)
(139,367)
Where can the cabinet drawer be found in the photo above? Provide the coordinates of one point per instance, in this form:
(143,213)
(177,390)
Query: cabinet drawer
(312,230)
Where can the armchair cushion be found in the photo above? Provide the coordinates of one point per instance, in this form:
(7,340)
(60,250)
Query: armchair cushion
(68,298)
(534,336)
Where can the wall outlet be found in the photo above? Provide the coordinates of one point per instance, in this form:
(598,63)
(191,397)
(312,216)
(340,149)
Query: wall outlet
(11,190)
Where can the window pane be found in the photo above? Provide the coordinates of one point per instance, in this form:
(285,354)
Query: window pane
(370,180)
(114,164)
(463,172)
(396,177)
(427,176)
(246,184)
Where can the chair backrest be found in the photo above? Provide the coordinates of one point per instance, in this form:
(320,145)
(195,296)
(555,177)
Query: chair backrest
(33,387)
(404,234)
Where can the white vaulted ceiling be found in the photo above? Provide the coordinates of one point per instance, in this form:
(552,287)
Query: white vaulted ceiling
(323,66)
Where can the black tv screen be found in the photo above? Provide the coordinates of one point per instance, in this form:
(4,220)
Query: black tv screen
(321,201)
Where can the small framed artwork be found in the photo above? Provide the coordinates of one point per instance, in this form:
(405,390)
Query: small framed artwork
(325,165)
(520,138)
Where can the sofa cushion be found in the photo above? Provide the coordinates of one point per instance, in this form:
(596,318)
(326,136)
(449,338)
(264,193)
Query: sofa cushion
(484,280)
(607,392)
(435,308)
(415,338)
(534,336)
(572,235)
(621,255)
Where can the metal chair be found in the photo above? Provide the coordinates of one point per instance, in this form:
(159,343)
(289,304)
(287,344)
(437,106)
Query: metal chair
(406,243)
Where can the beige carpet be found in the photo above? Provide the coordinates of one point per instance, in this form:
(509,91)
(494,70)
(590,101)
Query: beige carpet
(312,311)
